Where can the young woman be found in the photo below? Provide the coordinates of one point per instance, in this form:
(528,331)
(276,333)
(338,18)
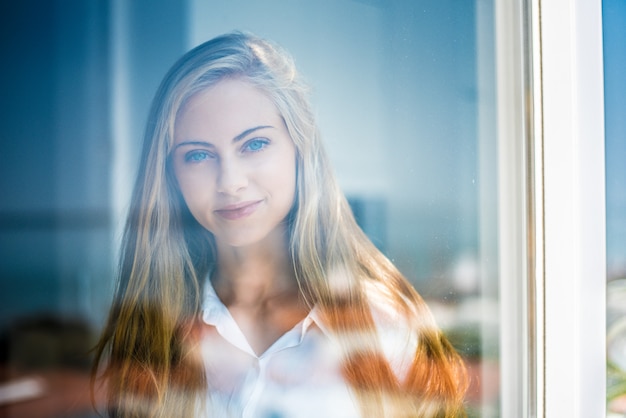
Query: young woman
(246,288)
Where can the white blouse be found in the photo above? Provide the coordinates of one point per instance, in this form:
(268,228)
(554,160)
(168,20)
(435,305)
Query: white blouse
(298,376)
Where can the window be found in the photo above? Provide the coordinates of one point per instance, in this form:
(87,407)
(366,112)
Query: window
(467,135)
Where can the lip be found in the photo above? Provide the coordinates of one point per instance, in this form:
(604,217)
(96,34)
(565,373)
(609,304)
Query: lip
(238,210)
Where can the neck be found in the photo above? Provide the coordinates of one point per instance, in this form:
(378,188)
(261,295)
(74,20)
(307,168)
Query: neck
(255,274)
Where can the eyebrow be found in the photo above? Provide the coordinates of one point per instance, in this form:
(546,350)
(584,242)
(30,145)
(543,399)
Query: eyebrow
(235,139)
(249,131)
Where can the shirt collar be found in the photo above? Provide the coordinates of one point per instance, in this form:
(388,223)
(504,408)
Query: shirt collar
(215,313)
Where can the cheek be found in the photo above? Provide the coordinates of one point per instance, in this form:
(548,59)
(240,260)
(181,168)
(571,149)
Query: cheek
(196,194)
(281,177)
(287,191)
(291,183)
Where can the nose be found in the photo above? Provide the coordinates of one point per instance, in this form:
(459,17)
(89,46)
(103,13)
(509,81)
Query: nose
(232,177)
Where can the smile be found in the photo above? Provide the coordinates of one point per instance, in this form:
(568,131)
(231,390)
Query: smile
(239,210)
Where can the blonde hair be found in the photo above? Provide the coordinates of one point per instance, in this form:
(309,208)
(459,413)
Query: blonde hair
(166,255)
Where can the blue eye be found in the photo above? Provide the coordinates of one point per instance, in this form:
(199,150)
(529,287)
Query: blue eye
(197,156)
(255,145)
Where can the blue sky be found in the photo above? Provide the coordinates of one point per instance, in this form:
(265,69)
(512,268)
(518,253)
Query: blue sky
(614,23)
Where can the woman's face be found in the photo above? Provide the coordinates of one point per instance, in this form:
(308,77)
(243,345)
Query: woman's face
(235,163)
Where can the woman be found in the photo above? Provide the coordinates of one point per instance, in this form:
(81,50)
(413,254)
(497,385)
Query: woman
(246,287)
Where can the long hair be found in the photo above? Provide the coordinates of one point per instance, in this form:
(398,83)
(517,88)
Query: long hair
(166,255)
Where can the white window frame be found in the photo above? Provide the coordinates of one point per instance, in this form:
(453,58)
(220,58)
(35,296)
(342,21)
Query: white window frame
(552,208)
(574,209)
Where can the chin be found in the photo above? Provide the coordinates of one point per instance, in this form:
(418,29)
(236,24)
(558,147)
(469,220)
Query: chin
(250,238)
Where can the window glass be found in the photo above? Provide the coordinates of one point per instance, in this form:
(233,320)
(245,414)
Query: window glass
(405,96)
(614,31)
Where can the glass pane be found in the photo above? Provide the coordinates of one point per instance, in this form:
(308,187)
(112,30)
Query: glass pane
(404,93)
(614,31)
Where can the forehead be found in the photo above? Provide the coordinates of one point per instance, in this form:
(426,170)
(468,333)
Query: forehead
(224,109)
